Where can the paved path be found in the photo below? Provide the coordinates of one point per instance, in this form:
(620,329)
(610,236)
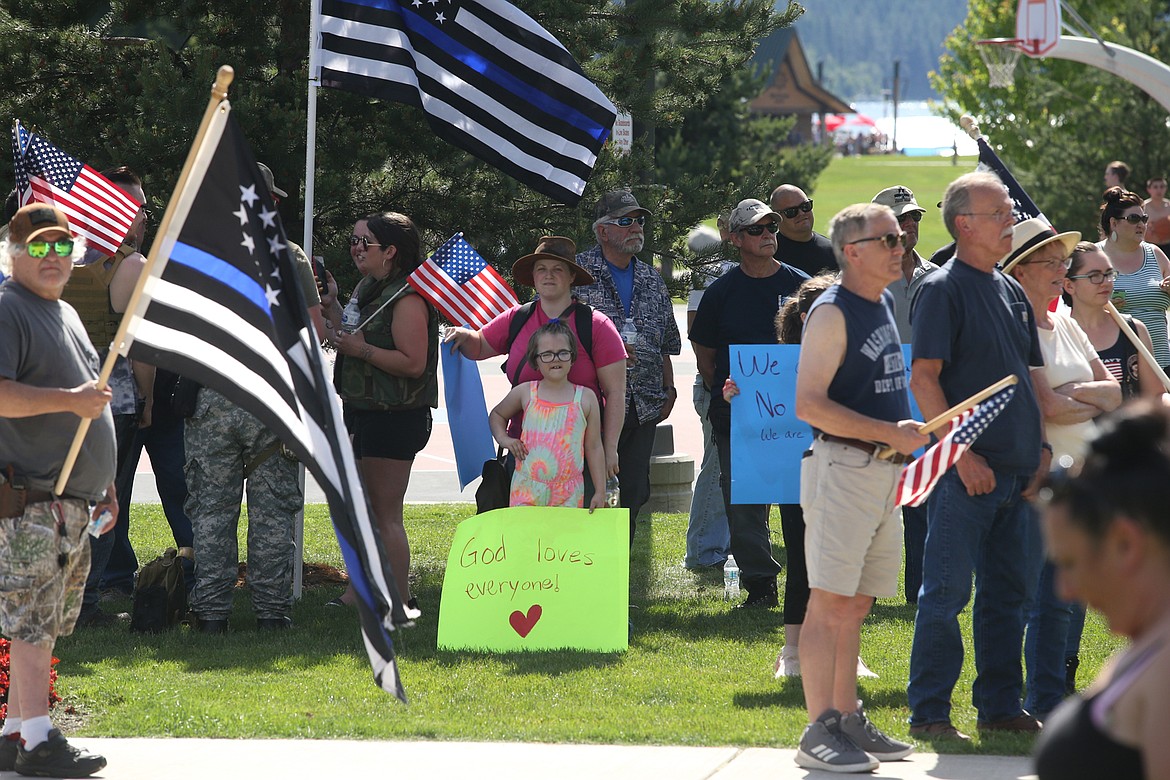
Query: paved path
(224,759)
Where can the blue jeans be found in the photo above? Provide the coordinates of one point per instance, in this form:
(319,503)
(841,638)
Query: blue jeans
(914,538)
(1044,645)
(707,534)
(992,536)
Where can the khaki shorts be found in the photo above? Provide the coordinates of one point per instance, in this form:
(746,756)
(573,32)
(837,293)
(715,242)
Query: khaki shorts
(42,572)
(853,530)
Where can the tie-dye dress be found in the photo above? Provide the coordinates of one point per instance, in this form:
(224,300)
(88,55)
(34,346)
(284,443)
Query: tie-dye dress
(554,434)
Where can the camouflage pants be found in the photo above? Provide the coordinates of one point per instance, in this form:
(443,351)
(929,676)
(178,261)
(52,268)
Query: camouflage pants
(42,571)
(220,439)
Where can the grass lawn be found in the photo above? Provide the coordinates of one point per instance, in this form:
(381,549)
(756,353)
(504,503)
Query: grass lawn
(857,179)
(696,673)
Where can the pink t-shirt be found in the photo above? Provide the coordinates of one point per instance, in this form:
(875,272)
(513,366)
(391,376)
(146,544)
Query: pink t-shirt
(607,349)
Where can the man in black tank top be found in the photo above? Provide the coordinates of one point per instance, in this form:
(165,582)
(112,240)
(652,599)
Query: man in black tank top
(852,390)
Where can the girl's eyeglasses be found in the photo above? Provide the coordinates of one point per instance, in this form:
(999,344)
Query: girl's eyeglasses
(563,355)
(1097,277)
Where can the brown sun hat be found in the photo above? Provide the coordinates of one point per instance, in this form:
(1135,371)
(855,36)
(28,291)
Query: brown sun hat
(551,248)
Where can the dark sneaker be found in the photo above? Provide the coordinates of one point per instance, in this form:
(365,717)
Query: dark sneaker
(941,730)
(823,746)
(866,736)
(8,748)
(96,617)
(1023,723)
(274,624)
(55,757)
(1070,675)
(761,595)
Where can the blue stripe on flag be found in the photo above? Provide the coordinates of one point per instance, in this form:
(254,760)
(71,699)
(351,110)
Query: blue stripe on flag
(489,69)
(223,272)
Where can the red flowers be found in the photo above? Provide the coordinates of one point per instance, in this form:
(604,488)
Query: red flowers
(53,697)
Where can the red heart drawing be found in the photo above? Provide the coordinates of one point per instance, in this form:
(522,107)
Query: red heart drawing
(521,623)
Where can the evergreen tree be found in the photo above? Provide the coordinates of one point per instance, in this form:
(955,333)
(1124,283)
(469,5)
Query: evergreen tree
(126,81)
(1062,122)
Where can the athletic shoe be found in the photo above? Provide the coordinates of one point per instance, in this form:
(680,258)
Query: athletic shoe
(867,737)
(55,757)
(787,663)
(8,748)
(823,746)
(762,595)
(864,671)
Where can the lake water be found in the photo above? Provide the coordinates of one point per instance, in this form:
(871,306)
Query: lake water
(920,133)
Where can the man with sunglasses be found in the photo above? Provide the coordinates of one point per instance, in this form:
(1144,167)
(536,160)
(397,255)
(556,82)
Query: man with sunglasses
(914,269)
(972,326)
(851,388)
(740,307)
(796,243)
(48,373)
(632,294)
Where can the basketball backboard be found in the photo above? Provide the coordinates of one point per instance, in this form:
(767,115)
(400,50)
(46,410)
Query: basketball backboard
(1038,26)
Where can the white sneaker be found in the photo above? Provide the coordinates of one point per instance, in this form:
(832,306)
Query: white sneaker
(864,671)
(824,746)
(866,736)
(787,663)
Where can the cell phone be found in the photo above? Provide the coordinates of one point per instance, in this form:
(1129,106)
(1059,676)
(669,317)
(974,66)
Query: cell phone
(318,263)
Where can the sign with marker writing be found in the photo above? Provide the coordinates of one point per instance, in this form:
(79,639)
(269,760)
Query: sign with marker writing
(538,578)
(767,440)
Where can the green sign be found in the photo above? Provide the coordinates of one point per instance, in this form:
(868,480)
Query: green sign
(538,578)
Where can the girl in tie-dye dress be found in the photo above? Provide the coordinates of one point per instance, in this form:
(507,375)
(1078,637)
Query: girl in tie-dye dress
(561,428)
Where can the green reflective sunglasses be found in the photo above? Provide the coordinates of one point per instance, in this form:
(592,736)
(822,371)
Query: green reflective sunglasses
(39,249)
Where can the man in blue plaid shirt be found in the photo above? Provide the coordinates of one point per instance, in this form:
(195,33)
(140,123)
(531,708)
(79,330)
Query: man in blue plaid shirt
(632,294)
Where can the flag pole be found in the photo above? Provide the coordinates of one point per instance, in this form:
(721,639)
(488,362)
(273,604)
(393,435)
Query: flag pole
(934,424)
(223,79)
(311,117)
(1151,361)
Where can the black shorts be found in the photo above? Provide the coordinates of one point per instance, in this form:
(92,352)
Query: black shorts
(394,435)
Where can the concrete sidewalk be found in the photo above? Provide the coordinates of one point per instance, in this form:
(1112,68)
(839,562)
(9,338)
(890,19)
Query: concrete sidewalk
(227,759)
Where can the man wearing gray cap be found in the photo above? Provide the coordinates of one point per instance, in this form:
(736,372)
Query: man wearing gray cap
(632,294)
(740,307)
(914,266)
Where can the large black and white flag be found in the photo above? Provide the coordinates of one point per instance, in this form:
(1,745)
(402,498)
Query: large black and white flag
(490,80)
(222,306)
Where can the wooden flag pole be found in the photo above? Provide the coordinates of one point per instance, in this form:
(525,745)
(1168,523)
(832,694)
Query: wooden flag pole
(937,422)
(1137,342)
(223,80)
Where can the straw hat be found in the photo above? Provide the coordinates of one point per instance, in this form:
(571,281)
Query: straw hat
(1030,235)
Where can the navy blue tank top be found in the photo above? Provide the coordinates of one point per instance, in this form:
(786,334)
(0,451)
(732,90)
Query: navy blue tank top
(872,378)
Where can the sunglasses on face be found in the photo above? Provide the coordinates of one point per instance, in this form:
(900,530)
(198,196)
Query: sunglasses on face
(563,355)
(1097,277)
(756,230)
(805,207)
(39,249)
(891,240)
(1134,219)
(627,221)
(913,216)
(364,241)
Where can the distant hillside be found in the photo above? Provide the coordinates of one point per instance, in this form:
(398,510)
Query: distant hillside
(858,41)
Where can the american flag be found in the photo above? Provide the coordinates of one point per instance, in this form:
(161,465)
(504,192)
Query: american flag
(462,286)
(920,477)
(489,79)
(221,305)
(96,208)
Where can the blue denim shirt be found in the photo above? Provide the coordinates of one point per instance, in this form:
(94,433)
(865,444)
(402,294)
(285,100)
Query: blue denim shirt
(653,315)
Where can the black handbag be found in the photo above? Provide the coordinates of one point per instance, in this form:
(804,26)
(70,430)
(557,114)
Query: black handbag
(493,490)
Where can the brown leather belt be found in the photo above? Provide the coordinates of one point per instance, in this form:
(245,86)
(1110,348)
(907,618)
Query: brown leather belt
(37,496)
(868,447)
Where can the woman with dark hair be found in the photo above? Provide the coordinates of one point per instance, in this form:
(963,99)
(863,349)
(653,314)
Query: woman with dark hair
(1142,286)
(1108,535)
(386,373)
(1088,286)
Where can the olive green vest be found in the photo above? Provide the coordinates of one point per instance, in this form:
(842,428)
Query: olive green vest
(365,387)
(88,291)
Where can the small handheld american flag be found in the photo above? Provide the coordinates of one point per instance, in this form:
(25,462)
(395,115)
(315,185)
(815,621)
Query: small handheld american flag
(920,477)
(461,284)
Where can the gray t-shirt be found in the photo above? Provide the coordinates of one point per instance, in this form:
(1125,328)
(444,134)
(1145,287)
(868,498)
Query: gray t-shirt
(44,344)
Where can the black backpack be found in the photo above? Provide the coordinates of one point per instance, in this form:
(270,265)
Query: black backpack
(160,592)
(581,311)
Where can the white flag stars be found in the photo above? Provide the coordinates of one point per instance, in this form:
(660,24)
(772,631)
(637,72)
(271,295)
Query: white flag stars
(248,194)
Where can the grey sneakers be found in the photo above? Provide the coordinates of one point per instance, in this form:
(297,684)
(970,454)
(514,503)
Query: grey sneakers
(824,746)
(866,736)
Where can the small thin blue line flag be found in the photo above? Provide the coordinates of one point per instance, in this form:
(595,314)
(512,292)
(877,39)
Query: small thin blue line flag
(489,79)
(221,305)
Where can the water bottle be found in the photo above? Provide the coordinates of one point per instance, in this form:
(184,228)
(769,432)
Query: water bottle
(730,579)
(612,493)
(629,333)
(351,316)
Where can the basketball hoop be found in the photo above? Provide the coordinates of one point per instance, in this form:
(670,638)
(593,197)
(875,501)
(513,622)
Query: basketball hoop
(1000,55)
